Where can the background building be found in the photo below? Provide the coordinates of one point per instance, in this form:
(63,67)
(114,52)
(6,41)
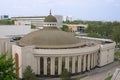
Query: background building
(37,21)
(76,27)
(4,17)
(9,34)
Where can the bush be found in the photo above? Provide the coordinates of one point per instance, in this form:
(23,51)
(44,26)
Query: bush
(28,74)
(65,75)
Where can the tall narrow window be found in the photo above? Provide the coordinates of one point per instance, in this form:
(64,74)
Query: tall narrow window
(17,64)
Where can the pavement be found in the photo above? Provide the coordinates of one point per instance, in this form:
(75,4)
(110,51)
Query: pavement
(103,72)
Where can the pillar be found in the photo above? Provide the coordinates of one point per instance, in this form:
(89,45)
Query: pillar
(73,64)
(84,63)
(79,63)
(94,59)
(45,65)
(59,65)
(67,63)
(52,64)
(38,65)
(88,62)
(92,63)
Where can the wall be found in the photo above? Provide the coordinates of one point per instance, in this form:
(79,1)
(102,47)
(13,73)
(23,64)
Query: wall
(26,57)
(106,54)
(7,30)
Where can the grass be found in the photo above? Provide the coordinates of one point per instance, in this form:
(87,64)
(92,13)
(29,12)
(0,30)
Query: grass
(108,78)
(117,53)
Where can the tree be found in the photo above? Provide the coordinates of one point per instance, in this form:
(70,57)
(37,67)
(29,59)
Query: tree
(116,34)
(7,68)
(6,22)
(95,35)
(28,74)
(65,75)
(65,28)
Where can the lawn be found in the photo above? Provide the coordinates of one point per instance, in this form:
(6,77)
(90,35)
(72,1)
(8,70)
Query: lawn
(108,78)
(117,53)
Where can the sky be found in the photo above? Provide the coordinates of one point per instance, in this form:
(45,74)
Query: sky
(100,10)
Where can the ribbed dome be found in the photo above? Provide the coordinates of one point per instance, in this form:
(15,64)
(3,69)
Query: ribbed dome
(50,18)
(50,39)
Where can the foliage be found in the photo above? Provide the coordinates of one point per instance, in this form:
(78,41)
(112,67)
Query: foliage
(94,35)
(65,75)
(108,78)
(7,68)
(6,22)
(64,28)
(116,34)
(109,30)
(33,26)
(28,74)
(117,54)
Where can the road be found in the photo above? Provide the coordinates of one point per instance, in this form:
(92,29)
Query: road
(102,73)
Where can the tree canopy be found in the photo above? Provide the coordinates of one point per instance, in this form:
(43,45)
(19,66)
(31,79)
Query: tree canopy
(7,68)
(6,22)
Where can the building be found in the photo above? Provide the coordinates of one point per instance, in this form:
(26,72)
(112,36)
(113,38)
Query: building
(4,17)
(76,27)
(9,34)
(69,18)
(37,21)
(49,51)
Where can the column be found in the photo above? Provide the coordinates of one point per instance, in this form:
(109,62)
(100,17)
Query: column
(67,63)
(52,64)
(88,62)
(92,60)
(73,64)
(84,63)
(38,65)
(45,65)
(79,63)
(59,65)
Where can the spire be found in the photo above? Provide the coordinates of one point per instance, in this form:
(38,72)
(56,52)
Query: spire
(50,12)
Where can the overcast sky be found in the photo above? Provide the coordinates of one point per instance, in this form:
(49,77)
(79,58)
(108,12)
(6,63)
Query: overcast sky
(107,10)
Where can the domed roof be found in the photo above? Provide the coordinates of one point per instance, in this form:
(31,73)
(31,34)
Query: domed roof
(50,38)
(50,18)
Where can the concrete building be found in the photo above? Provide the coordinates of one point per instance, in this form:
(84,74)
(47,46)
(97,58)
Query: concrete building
(49,51)
(4,17)
(76,27)
(37,21)
(10,34)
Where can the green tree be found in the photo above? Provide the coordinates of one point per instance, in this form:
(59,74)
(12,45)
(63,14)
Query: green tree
(95,35)
(28,74)
(65,75)
(7,68)
(6,22)
(116,34)
(65,28)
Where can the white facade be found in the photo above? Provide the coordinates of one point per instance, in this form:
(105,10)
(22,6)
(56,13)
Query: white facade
(4,17)
(9,34)
(37,21)
(87,58)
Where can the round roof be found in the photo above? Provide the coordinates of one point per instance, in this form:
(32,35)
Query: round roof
(50,38)
(50,18)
